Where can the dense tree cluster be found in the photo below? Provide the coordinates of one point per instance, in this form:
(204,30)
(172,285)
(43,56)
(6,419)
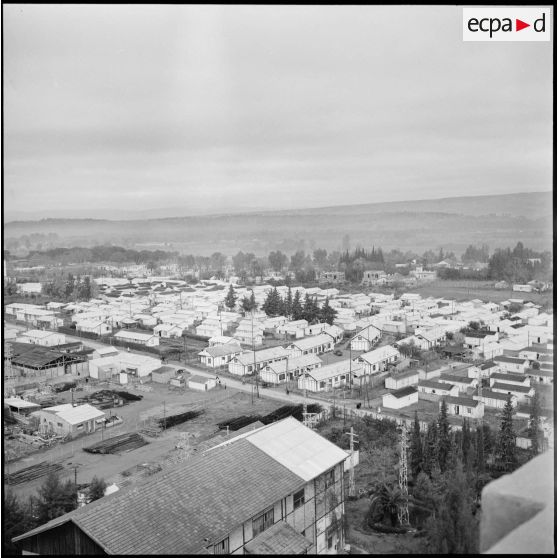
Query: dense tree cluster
(100,254)
(519,265)
(54,498)
(70,288)
(294,308)
(355,263)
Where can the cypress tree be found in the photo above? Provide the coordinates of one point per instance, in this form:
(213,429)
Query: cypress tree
(297,311)
(289,304)
(230,299)
(506,451)
(534,424)
(444,441)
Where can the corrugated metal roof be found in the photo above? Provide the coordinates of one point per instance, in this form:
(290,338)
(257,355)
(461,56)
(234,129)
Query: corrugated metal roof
(20,403)
(299,449)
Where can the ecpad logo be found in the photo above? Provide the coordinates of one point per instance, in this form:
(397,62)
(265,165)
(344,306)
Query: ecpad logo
(506,24)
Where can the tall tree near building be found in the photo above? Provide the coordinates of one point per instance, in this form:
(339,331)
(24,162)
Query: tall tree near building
(327,313)
(230,299)
(288,306)
(249,303)
(444,439)
(320,257)
(534,424)
(55,498)
(430,452)
(272,304)
(506,452)
(296,310)
(453,529)
(97,488)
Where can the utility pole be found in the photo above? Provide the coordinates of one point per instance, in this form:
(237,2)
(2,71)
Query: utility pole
(352,488)
(254,353)
(164,416)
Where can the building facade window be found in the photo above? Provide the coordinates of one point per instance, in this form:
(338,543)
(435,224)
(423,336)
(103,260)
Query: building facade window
(298,498)
(221,547)
(329,478)
(262,522)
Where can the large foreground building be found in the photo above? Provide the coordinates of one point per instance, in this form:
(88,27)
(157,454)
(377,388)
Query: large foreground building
(274,490)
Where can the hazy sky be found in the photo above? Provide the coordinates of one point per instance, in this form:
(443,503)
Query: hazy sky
(110,110)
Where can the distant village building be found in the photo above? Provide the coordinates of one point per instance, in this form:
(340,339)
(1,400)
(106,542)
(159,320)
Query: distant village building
(334,277)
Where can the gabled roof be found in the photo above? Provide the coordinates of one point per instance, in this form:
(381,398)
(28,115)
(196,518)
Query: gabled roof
(403,392)
(511,387)
(188,508)
(75,415)
(221,350)
(465,401)
(313,341)
(294,363)
(382,353)
(511,360)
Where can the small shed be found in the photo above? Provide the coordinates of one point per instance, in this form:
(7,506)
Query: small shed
(163,374)
(20,407)
(400,398)
(200,383)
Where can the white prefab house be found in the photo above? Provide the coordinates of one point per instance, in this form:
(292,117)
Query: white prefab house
(511,364)
(378,359)
(200,383)
(103,368)
(138,366)
(515,379)
(335,332)
(68,420)
(168,330)
(94,326)
(327,377)
(523,393)
(147,339)
(295,327)
(462,382)
(223,340)
(432,387)
(289,369)
(542,376)
(405,379)
(400,398)
(485,370)
(496,400)
(219,355)
(365,339)
(315,329)
(43,338)
(250,362)
(464,406)
(317,344)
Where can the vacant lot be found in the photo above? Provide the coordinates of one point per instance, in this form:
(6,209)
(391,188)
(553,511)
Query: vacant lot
(219,405)
(484,290)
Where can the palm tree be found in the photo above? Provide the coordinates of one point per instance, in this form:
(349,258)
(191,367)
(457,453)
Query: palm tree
(385,503)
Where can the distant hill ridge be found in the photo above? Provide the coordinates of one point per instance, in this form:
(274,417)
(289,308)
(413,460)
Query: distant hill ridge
(451,223)
(526,204)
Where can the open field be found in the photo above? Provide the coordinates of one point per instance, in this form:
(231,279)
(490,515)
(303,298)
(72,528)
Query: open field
(484,290)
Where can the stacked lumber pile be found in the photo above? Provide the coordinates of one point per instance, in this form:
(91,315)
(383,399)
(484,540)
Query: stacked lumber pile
(118,444)
(31,473)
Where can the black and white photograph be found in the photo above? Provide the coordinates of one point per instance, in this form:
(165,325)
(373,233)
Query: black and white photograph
(278,279)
